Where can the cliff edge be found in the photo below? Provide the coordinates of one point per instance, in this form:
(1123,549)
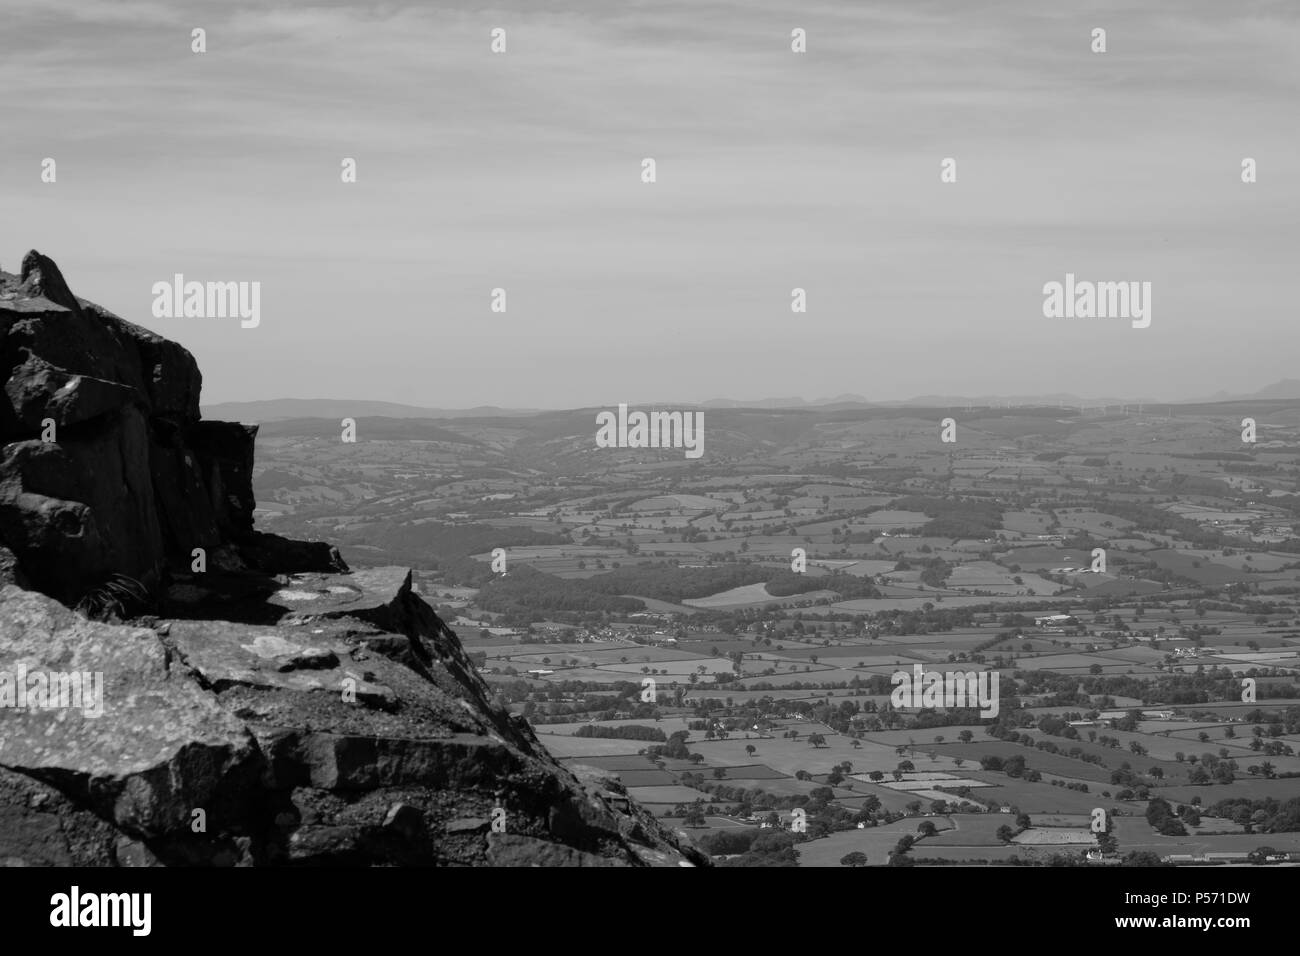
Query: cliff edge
(257,702)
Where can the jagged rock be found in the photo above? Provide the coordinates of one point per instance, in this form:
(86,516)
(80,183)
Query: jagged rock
(305,714)
(250,723)
(133,481)
(159,746)
(38,391)
(276,555)
(225,455)
(42,279)
(77,510)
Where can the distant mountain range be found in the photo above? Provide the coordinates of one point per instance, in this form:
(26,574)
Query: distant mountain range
(1287,389)
(280,409)
(796,402)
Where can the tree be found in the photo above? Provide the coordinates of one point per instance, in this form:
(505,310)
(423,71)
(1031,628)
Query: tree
(694,817)
(856,858)
(965,736)
(817,740)
(1005,834)
(927,828)
(750,749)
(1173,827)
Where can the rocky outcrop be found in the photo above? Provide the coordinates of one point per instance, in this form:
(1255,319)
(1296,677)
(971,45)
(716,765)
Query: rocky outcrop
(273,708)
(107,468)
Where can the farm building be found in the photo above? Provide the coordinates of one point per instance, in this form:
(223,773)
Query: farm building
(1053,620)
(1146,715)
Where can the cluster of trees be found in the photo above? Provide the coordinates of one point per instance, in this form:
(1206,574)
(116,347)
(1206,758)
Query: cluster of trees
(1264,816)
(1213,684)
(597,698)
(934,572)
(665,581)
(623,732)
(526,595)
(966,517)
(847,586)
(1149,518)
(931,619)
(675,748)
(1002,732)
(1014,766)
(1162,818)
(728,842)
(768,848)
(446,548)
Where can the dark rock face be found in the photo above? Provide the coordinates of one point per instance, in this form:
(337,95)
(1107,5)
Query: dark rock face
(281,710)
(106,467)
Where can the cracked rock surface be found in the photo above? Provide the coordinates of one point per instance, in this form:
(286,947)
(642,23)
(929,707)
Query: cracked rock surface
(273,709)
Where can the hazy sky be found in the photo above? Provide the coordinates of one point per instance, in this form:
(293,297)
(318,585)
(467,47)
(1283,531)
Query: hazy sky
(775,170)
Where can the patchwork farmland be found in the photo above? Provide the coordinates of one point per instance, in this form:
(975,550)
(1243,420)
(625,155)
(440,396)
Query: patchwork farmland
(720,640)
